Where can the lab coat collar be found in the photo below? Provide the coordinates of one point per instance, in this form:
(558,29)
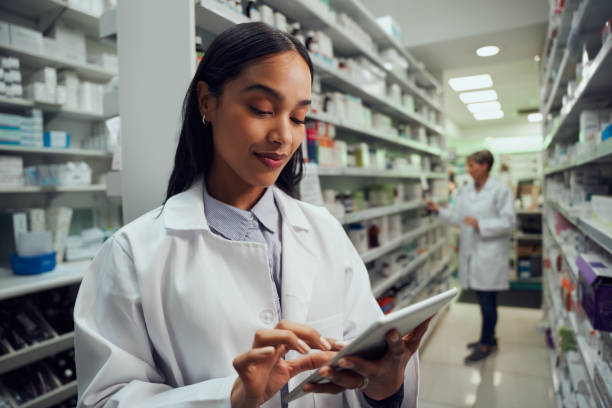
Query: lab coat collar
(185,211)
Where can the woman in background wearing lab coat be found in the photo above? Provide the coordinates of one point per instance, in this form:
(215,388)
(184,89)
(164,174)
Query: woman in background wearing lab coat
(217,298)
(484,211)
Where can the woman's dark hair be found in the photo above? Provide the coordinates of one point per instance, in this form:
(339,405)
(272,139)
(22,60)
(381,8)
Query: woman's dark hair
(231,52)
(482,156)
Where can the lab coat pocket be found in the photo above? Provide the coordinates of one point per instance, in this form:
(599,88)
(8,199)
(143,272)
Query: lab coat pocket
(330,326)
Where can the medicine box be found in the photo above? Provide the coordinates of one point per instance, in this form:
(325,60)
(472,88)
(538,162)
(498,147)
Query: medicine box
(595,290)
(25,38)
(56,139)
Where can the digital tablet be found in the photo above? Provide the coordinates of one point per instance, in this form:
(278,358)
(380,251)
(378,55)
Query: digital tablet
(371,343)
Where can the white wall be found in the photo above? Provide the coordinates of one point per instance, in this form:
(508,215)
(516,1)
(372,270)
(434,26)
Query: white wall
(156,63)
(523,136)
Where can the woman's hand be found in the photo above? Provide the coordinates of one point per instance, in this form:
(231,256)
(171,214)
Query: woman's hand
(378,379)
(262,372)
(433,207)
(472,222)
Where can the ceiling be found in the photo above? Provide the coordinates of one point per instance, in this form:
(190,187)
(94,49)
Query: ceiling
(445,34)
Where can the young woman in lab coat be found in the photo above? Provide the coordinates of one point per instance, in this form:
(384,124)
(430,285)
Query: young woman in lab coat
(217,298)
(484,211)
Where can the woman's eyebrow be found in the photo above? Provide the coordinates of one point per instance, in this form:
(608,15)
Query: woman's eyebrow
(273,93)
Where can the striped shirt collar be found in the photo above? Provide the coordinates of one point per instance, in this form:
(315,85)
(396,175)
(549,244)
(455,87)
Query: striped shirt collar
(233,223)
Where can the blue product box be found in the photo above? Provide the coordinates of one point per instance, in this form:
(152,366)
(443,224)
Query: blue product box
(32,265)
(56,139)
(606,134)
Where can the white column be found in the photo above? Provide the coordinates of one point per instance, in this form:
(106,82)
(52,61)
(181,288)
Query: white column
(156,44)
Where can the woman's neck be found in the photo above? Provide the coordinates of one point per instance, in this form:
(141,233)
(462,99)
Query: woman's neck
(225,185)
(480,182)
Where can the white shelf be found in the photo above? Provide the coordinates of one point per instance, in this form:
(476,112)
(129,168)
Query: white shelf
(337,79)
(391,245)
(55,151)
(59,189)
(362,172)
(36,60)
(376,212)
(561,75)
(46,10)
(52,398)
(603,153)
(382,287)
(416,291)
(20,103)
(598,83)
(35,352)
(12,285)
(377,134)
(214,17)
(599,233)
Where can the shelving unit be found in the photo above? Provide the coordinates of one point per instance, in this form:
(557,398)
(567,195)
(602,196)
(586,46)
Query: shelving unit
(42,15)
(361,172)
(396,243)
(602,154)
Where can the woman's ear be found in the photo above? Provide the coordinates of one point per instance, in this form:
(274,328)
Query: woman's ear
(205,100)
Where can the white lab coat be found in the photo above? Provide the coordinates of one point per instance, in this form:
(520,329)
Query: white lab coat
(483,254)
(167,305)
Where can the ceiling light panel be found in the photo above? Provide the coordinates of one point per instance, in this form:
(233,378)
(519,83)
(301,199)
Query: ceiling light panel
(471,82)
(489,115)
(484,107)
(478,96)
(487,51)
(534,117)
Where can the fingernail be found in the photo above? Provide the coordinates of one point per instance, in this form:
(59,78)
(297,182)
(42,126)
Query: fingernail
(325,343)
(341,343)
(267,350)
(345,363)
(304,347)
(325,373)
(395,337)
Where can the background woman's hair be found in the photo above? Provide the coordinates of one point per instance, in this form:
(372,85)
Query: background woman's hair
(231,52)
(482,156)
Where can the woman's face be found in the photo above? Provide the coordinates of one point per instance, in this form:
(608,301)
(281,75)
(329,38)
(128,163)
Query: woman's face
(258,121)
(477,170)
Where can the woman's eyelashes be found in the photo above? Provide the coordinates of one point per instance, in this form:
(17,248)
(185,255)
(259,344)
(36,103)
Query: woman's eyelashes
(263,113)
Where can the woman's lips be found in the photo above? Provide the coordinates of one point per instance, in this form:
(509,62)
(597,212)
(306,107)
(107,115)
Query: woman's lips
(271,160)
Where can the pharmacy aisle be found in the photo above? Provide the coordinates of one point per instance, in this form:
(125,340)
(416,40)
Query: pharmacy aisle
(517,375)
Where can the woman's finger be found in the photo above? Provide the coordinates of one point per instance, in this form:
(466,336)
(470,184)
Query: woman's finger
(413,339)
(242,362)
(308,334)
(363,367)
(395,344)
(274,337)
(310,362)
(347,379)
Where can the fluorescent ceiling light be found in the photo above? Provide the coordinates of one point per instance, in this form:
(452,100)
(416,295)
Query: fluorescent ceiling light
(537,58)
(484,107)
(489,115)
(478,96)
(534,117)
(470,82)
(487,51)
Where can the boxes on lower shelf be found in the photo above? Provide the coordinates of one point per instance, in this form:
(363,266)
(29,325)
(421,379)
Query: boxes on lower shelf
(595,285)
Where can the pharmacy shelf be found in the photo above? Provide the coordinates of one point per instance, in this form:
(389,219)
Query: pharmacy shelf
(60,189)
(570,258)
(51,398)
(36,352)
(416,291)
(39,60)
(529,212)
(598,83)
(527,237)
(45,11)
(382,287)
(362,172)
(337,79)
(359,13)
(599,233)
(376,134)
(562,76)
(12,285)
(377,252)
(55,151)
(377,212)
(602,154)
(214,17)
(20,104)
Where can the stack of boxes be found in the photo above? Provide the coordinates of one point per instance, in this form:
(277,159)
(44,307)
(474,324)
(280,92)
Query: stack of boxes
(22,130)
(10,77)
(11,171)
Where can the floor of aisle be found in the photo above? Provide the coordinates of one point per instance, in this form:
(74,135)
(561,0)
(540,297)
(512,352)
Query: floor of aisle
(518,375)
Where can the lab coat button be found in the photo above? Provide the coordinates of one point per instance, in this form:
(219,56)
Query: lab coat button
(267,316)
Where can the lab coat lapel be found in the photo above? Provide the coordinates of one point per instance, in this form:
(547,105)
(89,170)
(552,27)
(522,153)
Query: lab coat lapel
(298,261)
